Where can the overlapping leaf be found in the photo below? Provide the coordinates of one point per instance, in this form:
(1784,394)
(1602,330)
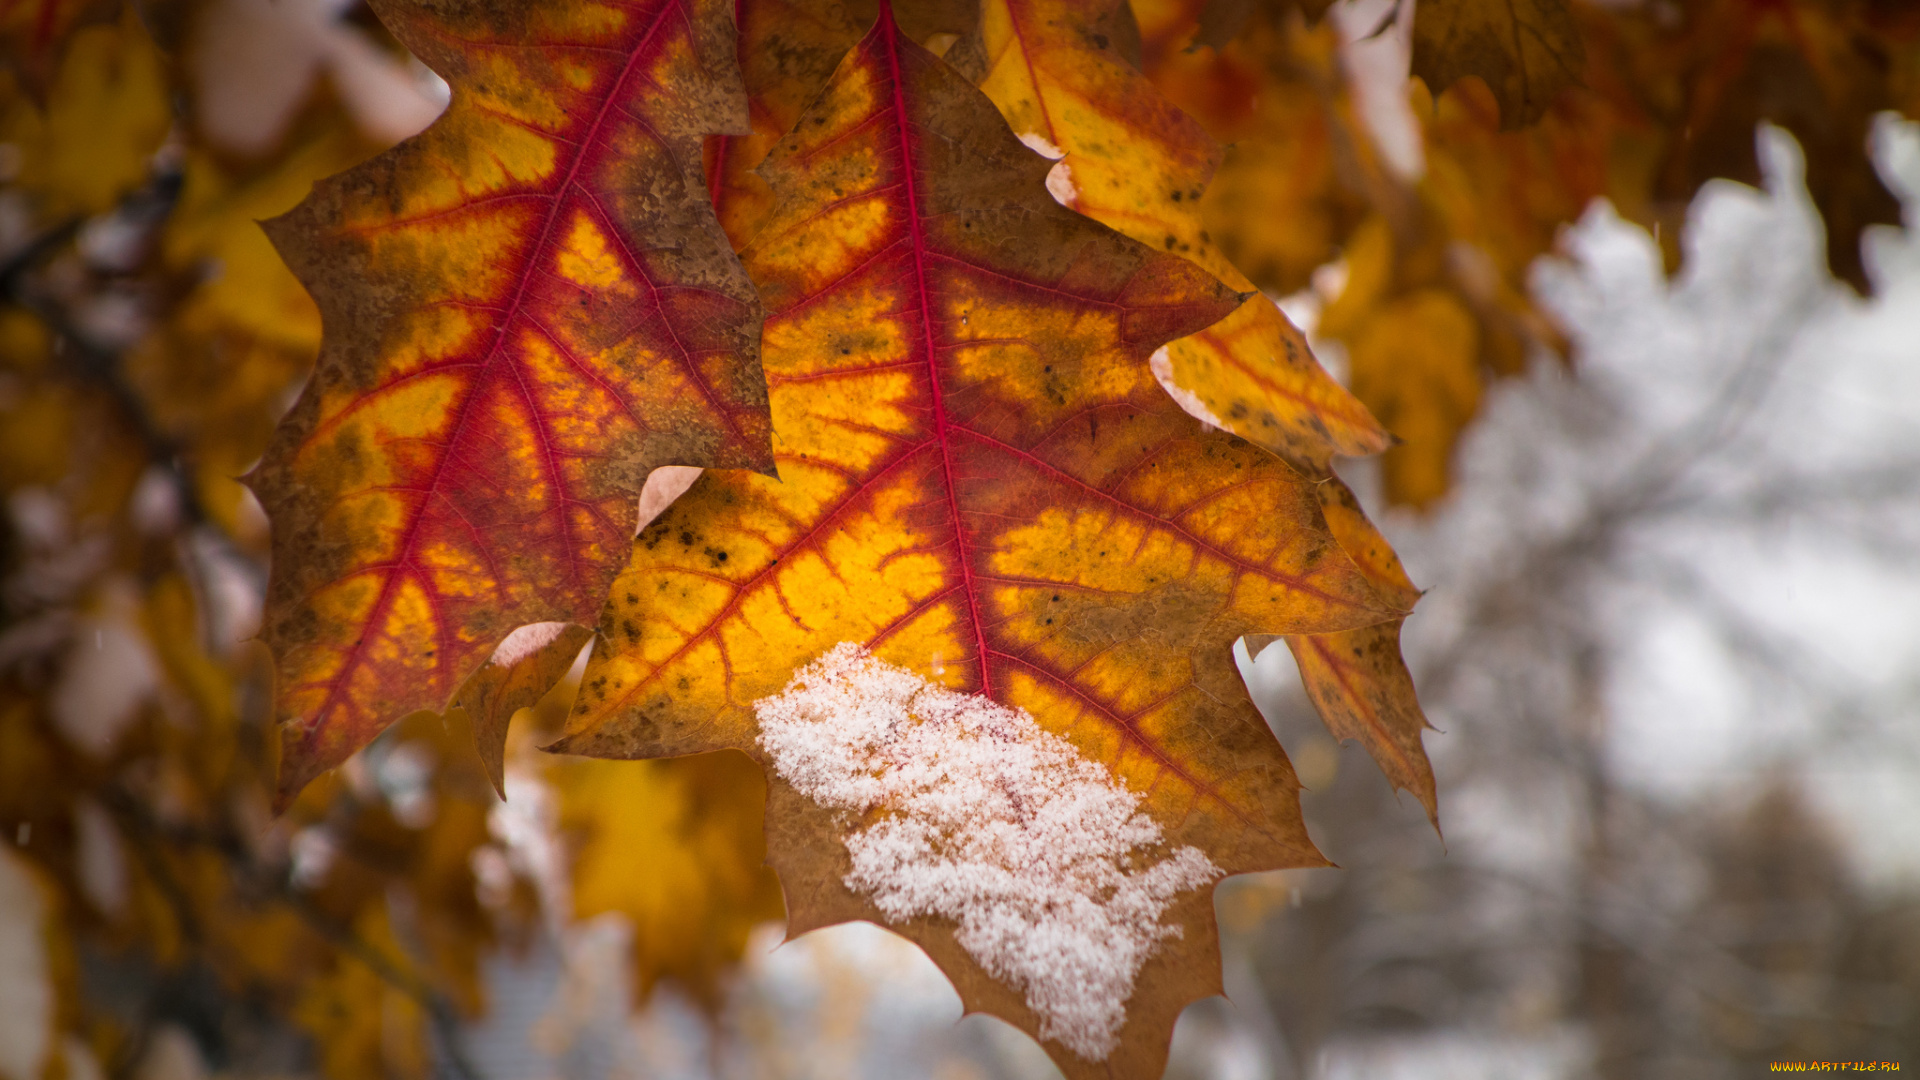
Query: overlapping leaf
(787,51)
(980,481)
(1136,163)
(527,308)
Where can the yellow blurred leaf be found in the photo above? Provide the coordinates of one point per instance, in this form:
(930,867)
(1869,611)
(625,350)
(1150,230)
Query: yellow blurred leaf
(675,846)
(107,112)
(1416,361)
(363,1026)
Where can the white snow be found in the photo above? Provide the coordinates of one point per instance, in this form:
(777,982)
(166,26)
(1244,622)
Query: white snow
(1056,879)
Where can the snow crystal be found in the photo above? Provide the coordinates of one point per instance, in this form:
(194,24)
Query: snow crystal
(978,815)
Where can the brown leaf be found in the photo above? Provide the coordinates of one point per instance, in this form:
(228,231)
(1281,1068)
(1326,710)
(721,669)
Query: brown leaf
(1135,162)
(982,482)
(522,669)
(1526,51)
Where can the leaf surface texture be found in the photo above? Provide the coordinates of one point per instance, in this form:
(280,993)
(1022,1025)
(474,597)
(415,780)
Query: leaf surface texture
(527,308)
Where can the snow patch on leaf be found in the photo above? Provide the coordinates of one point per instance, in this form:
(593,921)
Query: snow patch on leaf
(1042,857)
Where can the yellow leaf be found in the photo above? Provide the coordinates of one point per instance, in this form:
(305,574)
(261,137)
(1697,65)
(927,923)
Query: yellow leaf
(106,114)
(1416,359)
(675,846)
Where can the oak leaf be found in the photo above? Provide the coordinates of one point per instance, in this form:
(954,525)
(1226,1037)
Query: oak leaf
(1356,679)
(981,482)
(528,307)
(787,51)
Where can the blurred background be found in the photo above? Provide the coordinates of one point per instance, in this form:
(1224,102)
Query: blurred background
(1659,397)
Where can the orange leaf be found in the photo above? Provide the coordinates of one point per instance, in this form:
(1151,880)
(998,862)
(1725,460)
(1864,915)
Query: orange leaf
(981,482)
(1132,158)
(527,308)
(786,54)
(1138,164)
(1356,679)
(521,671)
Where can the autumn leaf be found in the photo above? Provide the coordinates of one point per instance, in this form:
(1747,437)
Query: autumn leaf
(1526,51)
(1134,162)
(787,51)
(1128,154)
(981,482)
(528,307)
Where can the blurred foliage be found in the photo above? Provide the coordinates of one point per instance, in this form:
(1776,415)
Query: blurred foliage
(150,338)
